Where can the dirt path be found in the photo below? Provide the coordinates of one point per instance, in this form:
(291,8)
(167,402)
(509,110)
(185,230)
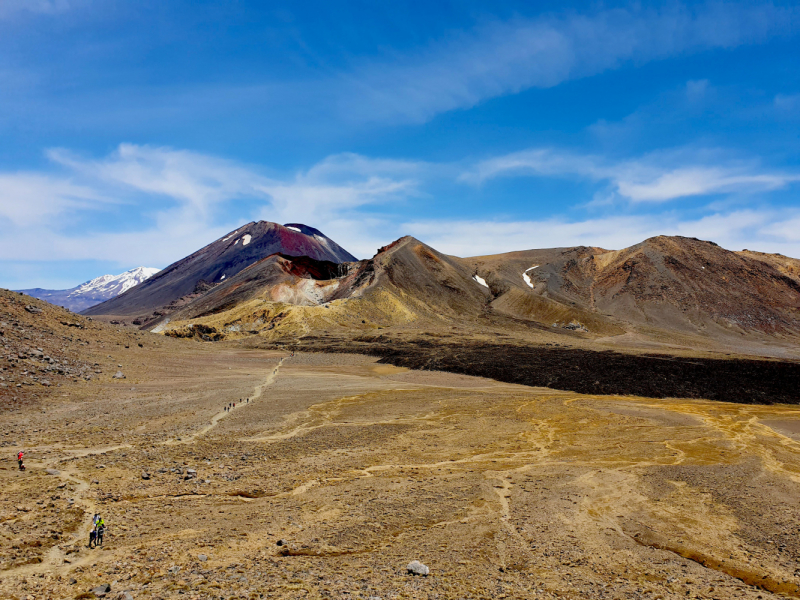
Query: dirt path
(55,560)
(257,392)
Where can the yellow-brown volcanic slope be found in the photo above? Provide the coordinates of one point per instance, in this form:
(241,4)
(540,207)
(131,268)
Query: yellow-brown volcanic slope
(501,490)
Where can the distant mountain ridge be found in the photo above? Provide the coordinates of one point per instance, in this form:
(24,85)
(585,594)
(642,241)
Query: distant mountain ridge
(660,288)
(95,291)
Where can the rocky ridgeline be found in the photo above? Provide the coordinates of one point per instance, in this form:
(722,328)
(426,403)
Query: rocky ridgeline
(42,346)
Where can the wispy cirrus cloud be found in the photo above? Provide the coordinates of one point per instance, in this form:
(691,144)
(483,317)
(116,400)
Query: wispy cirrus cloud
(153,205)
(506,57)
(655,177)
(29,198)
(188,178)
(162,203)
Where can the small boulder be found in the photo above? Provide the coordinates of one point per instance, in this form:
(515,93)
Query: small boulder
(125,596)
(174,570)
(145,475)
(417,568)
(101,590)
(119,375)
(53,472)
(202,557)
(282,543)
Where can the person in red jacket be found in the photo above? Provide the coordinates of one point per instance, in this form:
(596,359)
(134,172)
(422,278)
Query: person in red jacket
(19,460)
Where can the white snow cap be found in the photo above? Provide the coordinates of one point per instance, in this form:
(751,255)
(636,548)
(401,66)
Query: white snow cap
(115,284)
(294,229)
(480,280)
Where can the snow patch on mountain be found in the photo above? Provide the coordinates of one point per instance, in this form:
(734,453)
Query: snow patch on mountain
(527,277)
(480,280)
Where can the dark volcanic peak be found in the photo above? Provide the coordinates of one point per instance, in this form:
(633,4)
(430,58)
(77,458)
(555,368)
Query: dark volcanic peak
(294,244)
(279,277)
(218,261)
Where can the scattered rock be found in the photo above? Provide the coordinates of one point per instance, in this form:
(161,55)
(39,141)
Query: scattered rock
(417,568)
(119,375)
(54,472)
(145,475)
(281,543)
(101,466)
(202,557)
(101,590)
(125,596)
(174,570)
(33,310)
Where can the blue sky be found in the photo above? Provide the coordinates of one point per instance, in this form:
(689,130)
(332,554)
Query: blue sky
(133,133)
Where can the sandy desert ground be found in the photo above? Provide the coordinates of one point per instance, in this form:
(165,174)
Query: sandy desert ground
(358,468)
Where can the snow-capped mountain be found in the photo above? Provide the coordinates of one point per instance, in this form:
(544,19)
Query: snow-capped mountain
(95,291)
(109,286)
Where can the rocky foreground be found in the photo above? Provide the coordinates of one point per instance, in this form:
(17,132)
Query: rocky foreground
(340,472)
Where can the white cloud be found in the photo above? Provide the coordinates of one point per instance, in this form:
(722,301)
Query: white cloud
(656,177)
(194,179)
(159,204)
(341,182)
(171,202)
(502,58)
(28,199)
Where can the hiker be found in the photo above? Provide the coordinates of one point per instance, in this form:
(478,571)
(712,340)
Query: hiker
(95,519)
(19,460)
(93,537)
(101,531)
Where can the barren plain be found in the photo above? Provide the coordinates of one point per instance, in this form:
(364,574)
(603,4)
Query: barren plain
(358,468)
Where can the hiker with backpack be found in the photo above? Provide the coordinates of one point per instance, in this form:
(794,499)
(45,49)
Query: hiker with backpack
(101,531)
(97,532)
